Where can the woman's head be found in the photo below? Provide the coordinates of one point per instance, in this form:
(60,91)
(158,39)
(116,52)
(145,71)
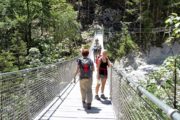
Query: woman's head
(104,53)
(85,52)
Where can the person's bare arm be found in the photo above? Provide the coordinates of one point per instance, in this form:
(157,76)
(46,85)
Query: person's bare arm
(76,72)
(109,63)
(98,66)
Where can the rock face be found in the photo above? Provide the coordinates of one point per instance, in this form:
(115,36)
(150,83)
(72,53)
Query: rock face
(110,18)
(158,55)
(138,65)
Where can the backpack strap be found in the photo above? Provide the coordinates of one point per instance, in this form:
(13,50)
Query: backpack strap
(79,61)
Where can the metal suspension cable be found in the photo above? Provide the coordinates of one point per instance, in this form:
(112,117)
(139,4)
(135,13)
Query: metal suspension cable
(148,30)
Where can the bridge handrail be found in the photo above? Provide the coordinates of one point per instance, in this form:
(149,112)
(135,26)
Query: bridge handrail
(174,114)
(34,68)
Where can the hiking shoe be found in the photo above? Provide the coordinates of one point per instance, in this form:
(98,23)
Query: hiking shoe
(103,97)
(97,97)
(84,104)
(88,106)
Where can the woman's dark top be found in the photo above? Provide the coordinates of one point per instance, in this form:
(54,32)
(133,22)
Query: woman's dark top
(103,67)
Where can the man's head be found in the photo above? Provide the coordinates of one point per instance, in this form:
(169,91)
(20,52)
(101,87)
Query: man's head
(85,52)
(96,40)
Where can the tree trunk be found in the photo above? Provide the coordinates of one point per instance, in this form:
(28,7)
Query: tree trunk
(28,26)
(175,83)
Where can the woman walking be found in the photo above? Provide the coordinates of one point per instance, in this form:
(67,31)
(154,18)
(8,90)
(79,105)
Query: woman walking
(102,72)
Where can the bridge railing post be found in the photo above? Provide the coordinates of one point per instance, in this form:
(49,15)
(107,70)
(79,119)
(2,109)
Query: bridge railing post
(110,81)
(25,75)
(1,107)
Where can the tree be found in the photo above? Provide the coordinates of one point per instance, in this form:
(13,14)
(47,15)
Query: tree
(7,62)
(38,23)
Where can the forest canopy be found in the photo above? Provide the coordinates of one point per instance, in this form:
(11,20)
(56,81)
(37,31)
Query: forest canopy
(36,32)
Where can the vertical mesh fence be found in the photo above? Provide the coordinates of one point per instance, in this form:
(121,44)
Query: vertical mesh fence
(25,93)
(129,104)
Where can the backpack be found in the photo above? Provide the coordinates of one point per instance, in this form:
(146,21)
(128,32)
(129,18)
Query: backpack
(95,48)
(85,65)
(97,59)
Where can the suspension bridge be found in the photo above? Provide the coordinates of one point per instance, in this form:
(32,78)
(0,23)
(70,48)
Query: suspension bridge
(48,93)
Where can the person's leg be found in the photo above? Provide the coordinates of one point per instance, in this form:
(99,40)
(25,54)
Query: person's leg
(83,90)
(103,87)
(97,89)
(99,52)
(103,84)
(89,93)
(94,56)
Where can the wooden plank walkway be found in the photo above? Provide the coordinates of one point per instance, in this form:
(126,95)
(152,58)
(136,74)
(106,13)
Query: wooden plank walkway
(69,105)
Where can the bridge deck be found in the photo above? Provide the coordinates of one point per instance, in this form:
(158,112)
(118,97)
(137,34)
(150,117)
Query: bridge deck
(69,107)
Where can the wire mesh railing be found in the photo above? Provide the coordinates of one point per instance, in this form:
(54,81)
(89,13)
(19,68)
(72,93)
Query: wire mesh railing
(25,93)
(133,102)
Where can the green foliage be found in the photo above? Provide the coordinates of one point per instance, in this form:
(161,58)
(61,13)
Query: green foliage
(7,62)
(126,43)
(173,21)
(132,9)
(121,44)
(145,14)
(34,57)
(86,46)
(161,82)
(48,25)
(48,49)
(18,48)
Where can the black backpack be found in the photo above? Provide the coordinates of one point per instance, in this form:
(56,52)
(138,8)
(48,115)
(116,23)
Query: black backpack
(85,65)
